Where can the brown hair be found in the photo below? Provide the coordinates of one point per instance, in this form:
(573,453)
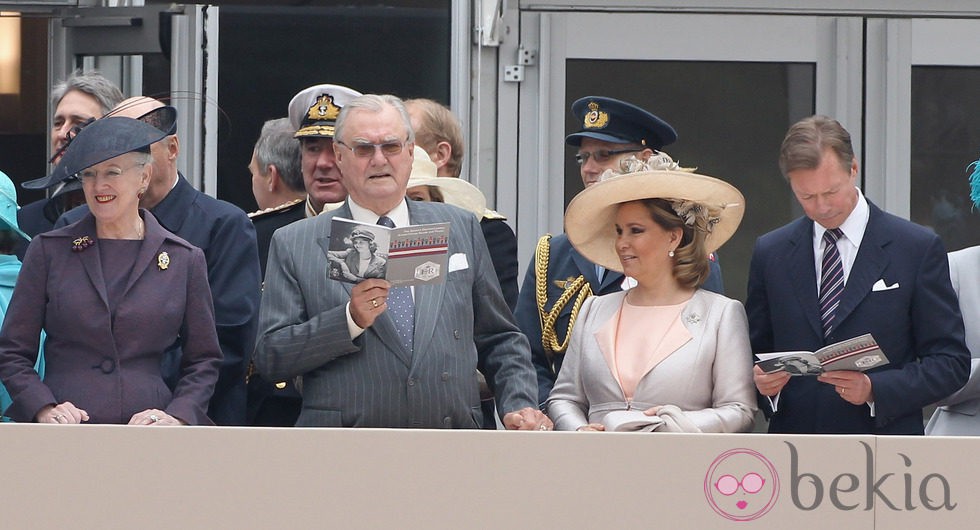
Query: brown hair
(691,267)
(806,141)
(438,124)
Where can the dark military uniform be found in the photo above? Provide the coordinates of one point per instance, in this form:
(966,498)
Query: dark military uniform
(269,220)
(503,252)
(273,404)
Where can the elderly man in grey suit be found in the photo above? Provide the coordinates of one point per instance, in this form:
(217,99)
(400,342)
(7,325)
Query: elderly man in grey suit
(371,355)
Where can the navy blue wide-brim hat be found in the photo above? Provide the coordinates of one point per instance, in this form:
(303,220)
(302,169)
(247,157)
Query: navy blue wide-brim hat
(102,140)
(614,121)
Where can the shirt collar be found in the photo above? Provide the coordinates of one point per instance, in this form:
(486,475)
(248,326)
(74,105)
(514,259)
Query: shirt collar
(853,227)
(399,214)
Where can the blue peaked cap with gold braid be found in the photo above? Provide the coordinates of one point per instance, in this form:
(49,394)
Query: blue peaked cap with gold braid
(619,122)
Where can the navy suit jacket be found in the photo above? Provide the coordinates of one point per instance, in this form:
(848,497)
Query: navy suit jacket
(565,263)
(225,234)
(917,324)
(502,244)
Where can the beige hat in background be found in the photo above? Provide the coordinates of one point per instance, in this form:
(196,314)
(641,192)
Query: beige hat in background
(591,216)
(454,190)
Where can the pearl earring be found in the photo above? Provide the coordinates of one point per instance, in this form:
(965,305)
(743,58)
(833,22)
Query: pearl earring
(670,253)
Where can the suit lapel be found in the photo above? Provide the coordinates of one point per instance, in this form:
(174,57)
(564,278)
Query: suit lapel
(153,237)
(384,326)
(869,263)
(90,257)
(803,274)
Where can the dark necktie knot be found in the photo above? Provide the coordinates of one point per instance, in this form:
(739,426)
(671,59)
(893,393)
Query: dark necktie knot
(831,236)
(384,220)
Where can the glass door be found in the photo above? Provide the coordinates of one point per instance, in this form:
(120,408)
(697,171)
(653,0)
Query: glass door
(923,76)
(729,84)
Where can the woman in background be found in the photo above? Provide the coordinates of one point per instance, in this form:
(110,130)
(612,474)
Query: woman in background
(11,236)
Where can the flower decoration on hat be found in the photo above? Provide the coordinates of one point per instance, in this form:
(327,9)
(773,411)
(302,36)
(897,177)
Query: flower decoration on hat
(706,204)
(695,215)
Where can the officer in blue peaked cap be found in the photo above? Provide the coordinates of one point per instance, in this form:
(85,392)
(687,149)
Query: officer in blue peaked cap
(611,130)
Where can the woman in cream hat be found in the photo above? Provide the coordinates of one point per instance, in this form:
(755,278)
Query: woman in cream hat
(425,185)
(663,355)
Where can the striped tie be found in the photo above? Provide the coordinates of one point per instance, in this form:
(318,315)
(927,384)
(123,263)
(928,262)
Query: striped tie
(831,279)
(401,306)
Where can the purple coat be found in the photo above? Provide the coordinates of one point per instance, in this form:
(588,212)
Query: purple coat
(110,367)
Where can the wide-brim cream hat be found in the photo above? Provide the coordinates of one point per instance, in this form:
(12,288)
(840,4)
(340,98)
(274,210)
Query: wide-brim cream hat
(591,216)
(455,191)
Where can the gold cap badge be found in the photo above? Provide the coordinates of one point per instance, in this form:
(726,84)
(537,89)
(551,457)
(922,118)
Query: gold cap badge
(595,118)
(323,109)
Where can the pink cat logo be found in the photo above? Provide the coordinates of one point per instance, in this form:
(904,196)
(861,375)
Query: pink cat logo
(741,485)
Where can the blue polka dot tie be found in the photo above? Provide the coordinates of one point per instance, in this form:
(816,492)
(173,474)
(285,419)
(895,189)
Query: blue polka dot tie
(401,307)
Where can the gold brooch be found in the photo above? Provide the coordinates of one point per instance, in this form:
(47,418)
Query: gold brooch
(163,261)
(81,243)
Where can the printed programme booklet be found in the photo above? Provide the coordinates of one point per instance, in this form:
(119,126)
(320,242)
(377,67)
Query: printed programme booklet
(407,255)
(859,353)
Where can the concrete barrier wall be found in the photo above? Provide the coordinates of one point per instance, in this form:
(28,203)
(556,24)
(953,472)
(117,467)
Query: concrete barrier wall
(143,477)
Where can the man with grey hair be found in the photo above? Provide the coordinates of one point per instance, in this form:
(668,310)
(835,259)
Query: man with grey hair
(373,355)
(277,184)
(82,97)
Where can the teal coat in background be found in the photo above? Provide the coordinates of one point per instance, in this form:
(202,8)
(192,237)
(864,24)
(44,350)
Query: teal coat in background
(9,269)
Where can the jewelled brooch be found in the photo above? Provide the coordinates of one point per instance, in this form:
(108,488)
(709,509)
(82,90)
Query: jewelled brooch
(163,261)
(82,243)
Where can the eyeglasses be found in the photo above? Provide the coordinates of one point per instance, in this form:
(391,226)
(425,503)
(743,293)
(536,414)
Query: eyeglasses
(367,150)
(602,156)
(113,172)
(751,483)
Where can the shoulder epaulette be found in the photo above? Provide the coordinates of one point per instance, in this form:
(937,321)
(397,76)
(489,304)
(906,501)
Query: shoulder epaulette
(283,206)
(493,214)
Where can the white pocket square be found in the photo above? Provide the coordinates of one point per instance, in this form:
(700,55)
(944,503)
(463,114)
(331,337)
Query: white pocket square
(457,262)
(880,286)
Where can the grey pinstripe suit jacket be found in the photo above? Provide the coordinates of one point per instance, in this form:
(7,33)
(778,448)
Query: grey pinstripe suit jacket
(373,381)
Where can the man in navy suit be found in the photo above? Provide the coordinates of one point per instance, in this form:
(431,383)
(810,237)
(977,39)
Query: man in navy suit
(895,285)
